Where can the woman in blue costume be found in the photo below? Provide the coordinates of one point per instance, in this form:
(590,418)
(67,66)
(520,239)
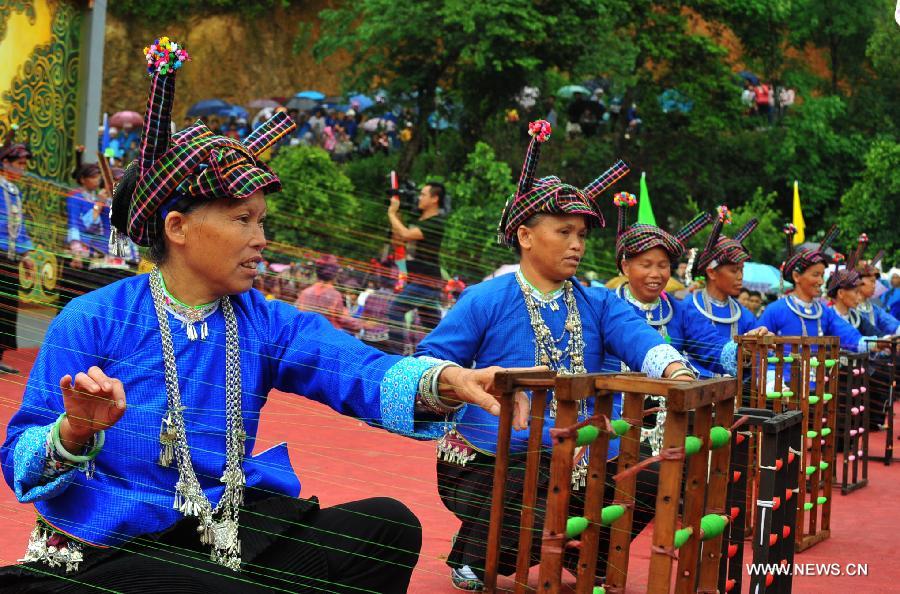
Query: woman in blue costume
(800,313)
(884,322)
(540,315)
(721,262)
(843,291)
(645,254)
(14,241)
(134,437)
(87,262)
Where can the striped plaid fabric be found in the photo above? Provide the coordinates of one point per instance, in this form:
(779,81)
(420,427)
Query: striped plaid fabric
(805,258)
(550,195)
(195,162)
(638,238)
(547,195)
(842,279)
(724,250)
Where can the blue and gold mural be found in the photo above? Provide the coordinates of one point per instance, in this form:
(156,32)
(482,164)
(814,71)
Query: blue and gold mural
(39,77)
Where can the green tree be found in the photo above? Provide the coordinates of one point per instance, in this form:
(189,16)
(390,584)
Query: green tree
(482,50)
(316,207)
(872,205)
(765,244)
(479,193)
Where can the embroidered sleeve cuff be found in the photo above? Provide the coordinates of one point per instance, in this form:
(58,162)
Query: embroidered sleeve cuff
(399,389)
(73,235)
(38,475)
(728,358)
(660,357)
(867,343)
(90,223)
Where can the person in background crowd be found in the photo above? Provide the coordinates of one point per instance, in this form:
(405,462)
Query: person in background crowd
(748,98)
(14,241)
(423,249)
(869,306)
(763,96)
(755,303)
(744,298)
(324,299)
(892,295)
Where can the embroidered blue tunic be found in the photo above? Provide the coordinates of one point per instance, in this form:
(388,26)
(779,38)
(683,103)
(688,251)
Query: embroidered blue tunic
(780,320)
(83,227)
(11,197)
(489,325)
(116,329)
(745,323)
(690,333)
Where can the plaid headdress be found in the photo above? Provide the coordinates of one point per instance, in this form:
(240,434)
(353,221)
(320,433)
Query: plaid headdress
(82,169)
(11,149)
(640,237)
(549,194)
(846,277)
(867,268)
(720,249)
(805,258)
(193,163)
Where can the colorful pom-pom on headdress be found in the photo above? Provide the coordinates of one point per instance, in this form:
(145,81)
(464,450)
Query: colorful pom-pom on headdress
(164,56)
(540,130)
(724,215)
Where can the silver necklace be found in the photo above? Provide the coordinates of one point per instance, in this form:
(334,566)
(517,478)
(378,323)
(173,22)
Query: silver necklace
(218,527)
(866,308)
(806,311)
(734,310)
(547,351)
(851,318)
(623,292)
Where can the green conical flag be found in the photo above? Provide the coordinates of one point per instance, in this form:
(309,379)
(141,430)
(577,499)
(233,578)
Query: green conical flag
(645,210)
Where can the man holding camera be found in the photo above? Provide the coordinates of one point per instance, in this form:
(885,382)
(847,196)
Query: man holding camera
(422,291)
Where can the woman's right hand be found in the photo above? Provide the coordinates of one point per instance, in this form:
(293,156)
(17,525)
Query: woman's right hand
(93,402)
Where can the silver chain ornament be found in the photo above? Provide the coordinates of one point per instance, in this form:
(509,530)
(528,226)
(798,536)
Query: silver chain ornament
(218,527)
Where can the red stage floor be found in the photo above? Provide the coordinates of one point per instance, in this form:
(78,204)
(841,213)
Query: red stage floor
(341,459)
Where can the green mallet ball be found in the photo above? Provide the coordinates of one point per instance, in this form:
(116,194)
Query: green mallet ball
(611,513)
(682,535)
(692,445)
(713,525)
(575,526)
(719,437)
(587,435)
(620,426)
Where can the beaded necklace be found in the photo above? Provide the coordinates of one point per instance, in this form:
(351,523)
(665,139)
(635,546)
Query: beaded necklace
(548,352)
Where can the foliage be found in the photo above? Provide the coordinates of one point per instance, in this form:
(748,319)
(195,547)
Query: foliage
(872,205)
(479,193)
(166,11)
(317,204)
(765,244)
(483,50)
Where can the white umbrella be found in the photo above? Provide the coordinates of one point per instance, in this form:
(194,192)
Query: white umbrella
(505,269)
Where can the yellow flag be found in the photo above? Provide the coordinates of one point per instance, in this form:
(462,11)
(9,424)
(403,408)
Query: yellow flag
(800,236)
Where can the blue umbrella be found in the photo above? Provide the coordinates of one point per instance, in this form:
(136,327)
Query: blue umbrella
(361,102)
(314,95)
(233,111)
(749,77)
(207,107)
(302,104)
(763,278)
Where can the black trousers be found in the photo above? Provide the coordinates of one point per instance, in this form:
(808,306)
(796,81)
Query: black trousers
(466,491)
(370,545)
(9,303)
(74,282)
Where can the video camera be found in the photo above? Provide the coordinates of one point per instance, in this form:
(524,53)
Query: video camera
(407,192)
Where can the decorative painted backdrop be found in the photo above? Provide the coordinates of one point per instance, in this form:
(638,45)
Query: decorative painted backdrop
(39,43)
